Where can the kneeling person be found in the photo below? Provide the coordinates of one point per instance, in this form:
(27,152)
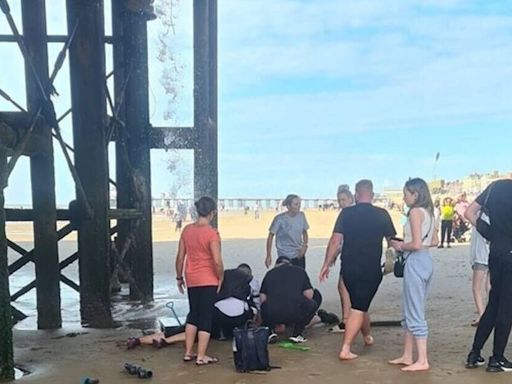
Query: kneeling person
(288,298)
(233,305)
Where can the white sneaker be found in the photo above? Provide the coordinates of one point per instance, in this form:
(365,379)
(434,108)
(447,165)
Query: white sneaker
(299,339)
(272,338)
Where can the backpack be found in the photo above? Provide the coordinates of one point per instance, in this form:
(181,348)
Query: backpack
(250,348)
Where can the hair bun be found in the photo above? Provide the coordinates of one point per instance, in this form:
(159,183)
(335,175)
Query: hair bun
(343,188)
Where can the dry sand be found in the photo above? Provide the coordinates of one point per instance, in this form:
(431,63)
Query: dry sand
(56,358)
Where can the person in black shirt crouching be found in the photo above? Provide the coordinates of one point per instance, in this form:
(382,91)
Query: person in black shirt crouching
(288,298)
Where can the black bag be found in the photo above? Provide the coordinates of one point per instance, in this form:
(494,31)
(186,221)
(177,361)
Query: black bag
(483,223)
(399,266)
(250,348)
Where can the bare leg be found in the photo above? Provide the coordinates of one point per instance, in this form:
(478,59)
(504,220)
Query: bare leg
(421,363)
(352,328)
(190,337)
(366,330)
(479,278)
(345,300)
(406,358)
(175,338)
(340,292)
(148,340)
(202,345)
(161,340)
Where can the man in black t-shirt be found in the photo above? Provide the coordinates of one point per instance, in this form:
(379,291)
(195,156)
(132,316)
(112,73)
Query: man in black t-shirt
(287,297)
(496,201)
(360,229)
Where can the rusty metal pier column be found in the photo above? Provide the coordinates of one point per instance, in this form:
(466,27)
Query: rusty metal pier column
(133,145)
(6,349)
(87,69)
(42,173)
(205,98)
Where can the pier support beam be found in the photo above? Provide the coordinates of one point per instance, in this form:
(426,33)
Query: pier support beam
(42,173)
(87,69)
(205,99)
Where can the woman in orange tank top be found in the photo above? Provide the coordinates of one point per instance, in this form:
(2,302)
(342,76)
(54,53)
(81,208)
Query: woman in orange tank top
(199,257)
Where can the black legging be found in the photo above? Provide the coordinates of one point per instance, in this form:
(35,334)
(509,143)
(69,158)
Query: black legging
(446,231)
(498,313)
(201,300)
(297,316)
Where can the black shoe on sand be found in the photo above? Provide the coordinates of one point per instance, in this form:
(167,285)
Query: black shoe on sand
(499,365)
(327,317)
(474,360)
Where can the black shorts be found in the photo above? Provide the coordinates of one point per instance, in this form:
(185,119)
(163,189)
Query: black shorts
(361,286)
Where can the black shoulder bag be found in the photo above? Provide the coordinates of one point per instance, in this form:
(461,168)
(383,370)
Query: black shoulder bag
(400,259)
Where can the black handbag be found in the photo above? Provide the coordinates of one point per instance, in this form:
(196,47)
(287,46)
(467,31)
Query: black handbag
(399,266)
(250,348)
(401,258)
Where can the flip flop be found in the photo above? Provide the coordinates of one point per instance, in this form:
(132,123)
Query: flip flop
(475,323)
(290,345)
(209,360)
(188,358)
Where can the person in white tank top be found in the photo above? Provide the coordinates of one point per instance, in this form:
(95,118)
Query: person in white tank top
(420,233)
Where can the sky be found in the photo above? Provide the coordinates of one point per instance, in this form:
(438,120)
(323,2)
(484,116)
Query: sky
(313,94)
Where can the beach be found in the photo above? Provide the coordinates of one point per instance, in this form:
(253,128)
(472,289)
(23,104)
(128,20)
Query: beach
(65,355)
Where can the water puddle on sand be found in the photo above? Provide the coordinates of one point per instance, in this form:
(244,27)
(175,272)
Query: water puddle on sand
(125,312)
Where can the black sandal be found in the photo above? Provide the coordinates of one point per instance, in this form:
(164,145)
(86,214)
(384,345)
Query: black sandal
(188,358)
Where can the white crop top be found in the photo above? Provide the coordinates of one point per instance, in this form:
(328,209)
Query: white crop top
(427,229)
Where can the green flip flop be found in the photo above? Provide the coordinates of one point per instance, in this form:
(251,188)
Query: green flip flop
(290,345)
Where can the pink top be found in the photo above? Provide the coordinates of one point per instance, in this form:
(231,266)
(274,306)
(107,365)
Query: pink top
(461,207)
(199,263)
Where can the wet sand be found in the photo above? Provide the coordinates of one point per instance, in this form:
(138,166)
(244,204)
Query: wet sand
(65,355)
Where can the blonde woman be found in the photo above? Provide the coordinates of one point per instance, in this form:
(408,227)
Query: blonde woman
(419,234)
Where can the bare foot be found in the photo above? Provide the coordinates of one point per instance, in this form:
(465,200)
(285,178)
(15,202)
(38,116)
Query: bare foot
(368,340)
(401,361)
(348,355)
(416,367)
